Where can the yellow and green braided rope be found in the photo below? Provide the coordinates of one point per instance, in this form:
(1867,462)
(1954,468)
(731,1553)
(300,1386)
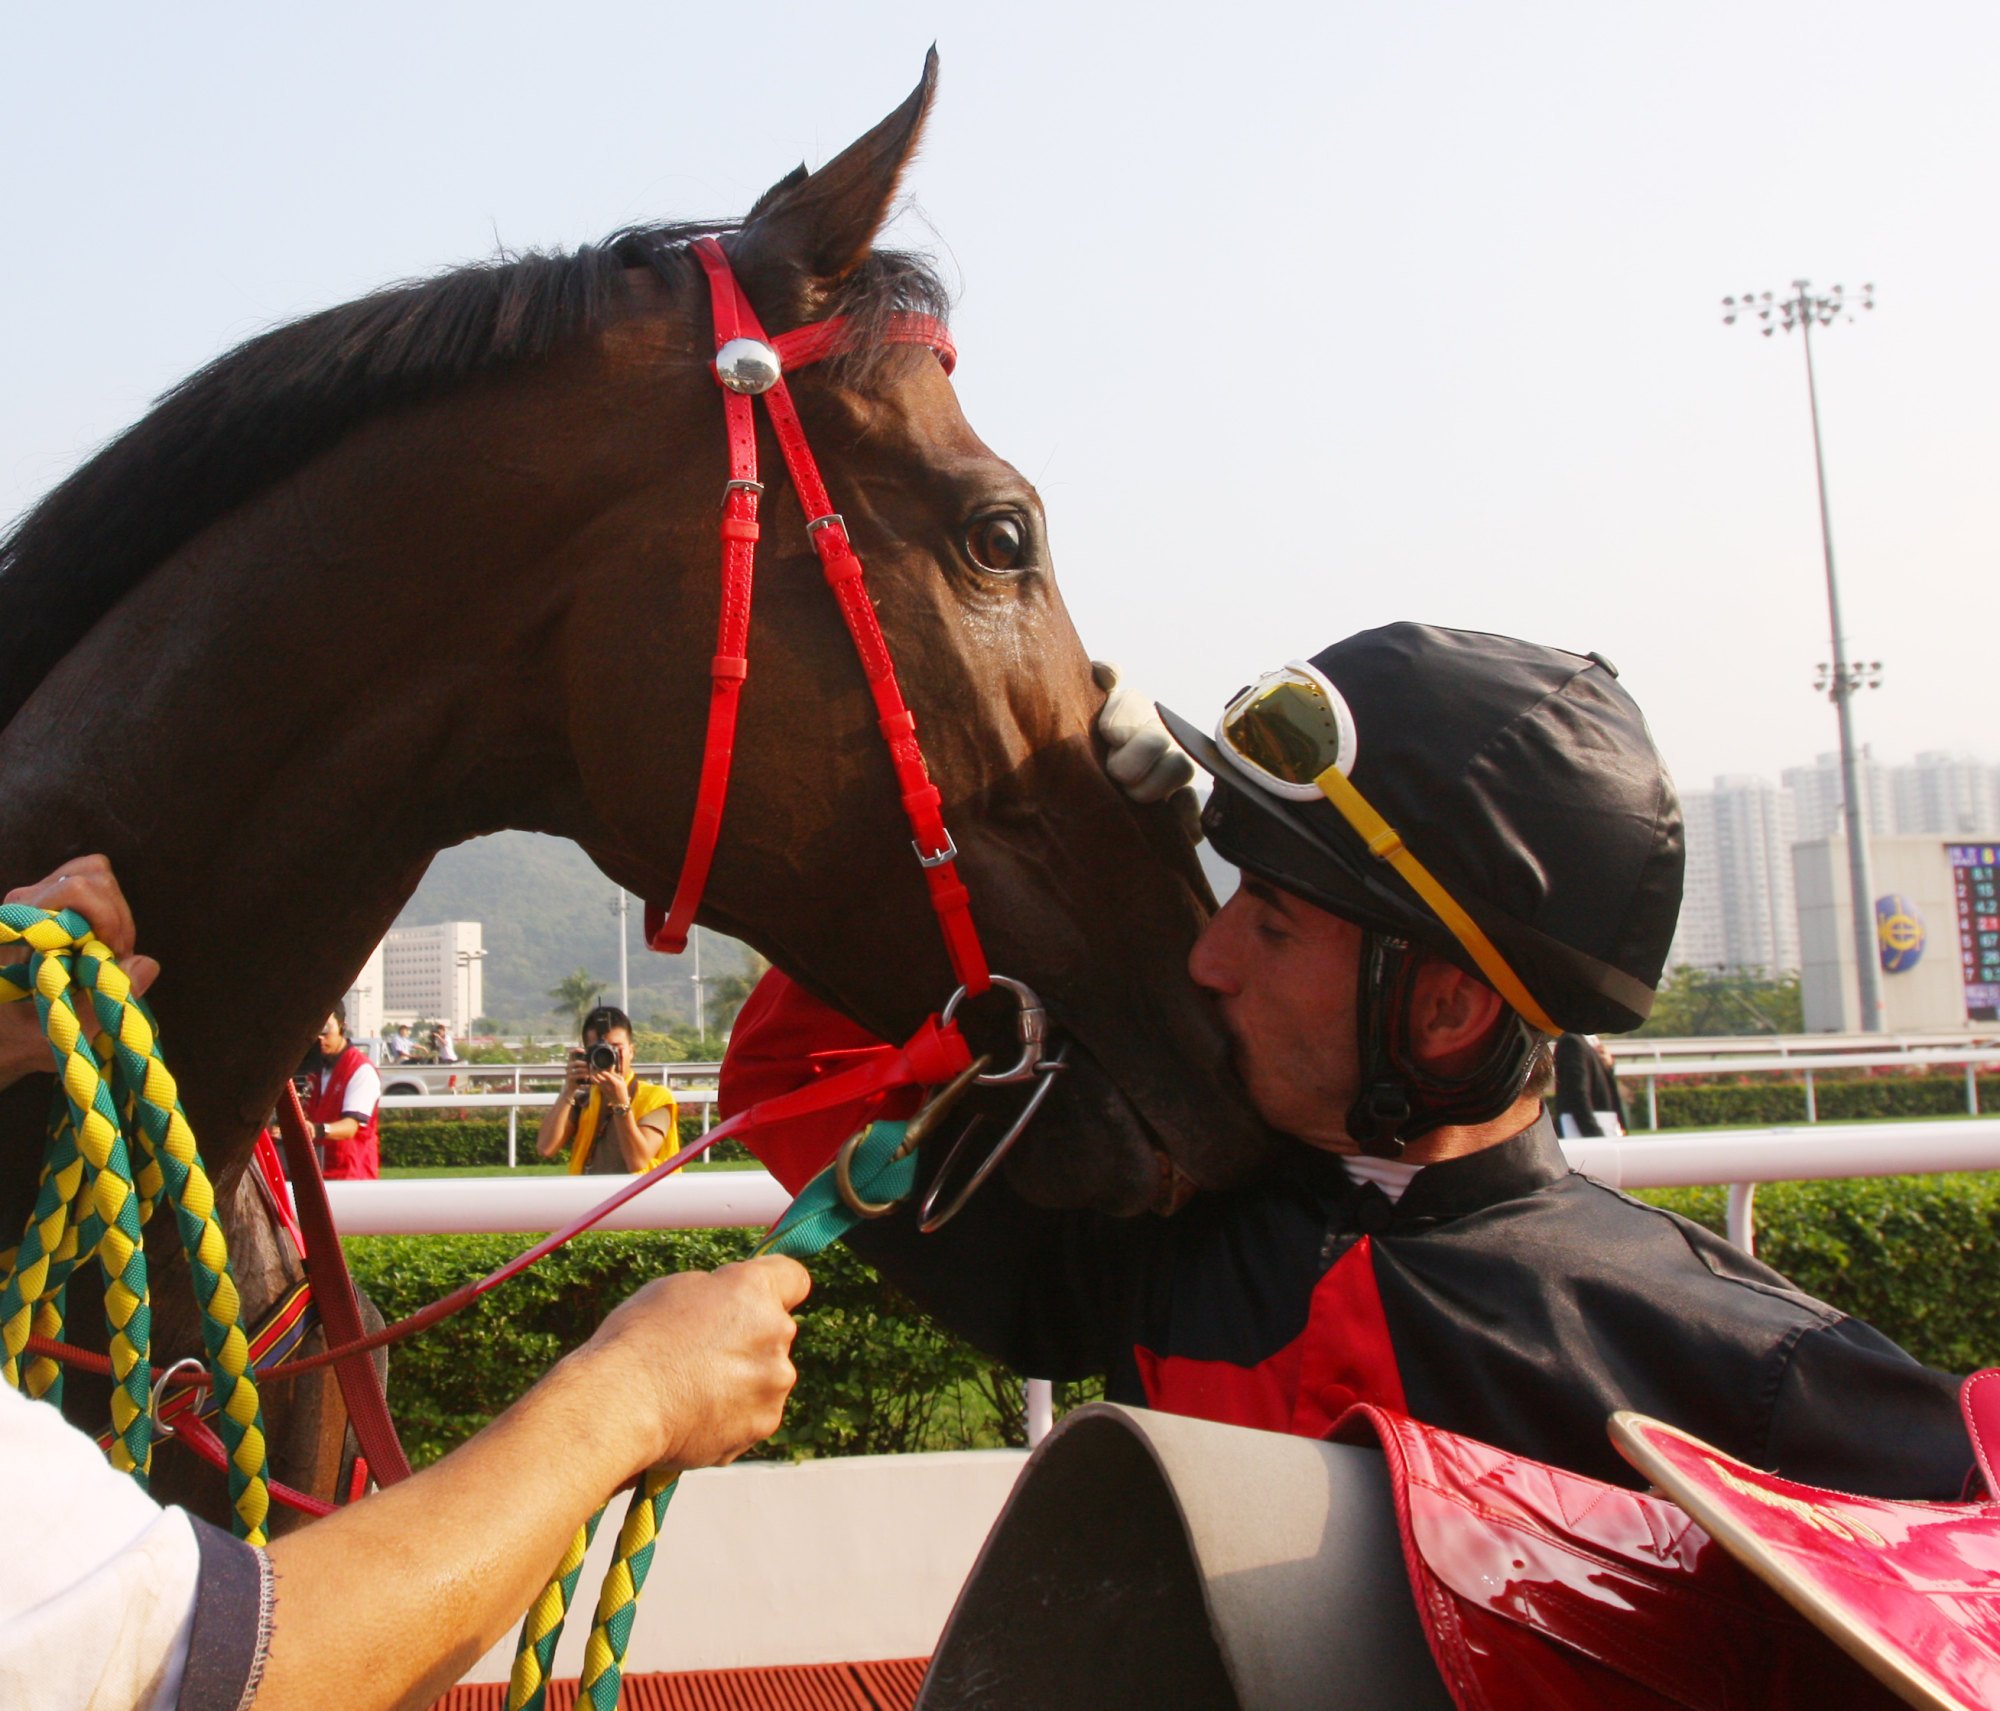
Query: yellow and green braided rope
(118,1144)
(818,1217)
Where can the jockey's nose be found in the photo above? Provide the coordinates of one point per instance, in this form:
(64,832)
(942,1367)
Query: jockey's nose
(1215,960)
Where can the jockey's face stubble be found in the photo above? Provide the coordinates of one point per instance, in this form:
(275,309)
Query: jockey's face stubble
(1284,976)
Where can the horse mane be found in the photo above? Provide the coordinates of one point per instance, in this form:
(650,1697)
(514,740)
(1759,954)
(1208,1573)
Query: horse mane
(265,409)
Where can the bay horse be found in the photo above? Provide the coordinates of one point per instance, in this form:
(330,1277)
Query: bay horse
(471,523)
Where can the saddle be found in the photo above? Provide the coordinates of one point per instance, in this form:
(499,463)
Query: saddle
(1147,1559)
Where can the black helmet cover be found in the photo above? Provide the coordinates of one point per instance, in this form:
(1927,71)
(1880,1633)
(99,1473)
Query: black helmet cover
(1523,777)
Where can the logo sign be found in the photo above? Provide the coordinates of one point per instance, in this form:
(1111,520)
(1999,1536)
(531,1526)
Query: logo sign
(1899,931)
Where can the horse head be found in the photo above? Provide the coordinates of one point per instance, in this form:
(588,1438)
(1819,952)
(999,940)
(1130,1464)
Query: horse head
(1090,900)
(446,560)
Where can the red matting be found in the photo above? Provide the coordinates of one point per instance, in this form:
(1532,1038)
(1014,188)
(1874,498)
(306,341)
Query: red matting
(890,1686)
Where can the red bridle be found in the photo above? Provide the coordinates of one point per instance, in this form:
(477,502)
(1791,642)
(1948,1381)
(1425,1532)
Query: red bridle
(937,855)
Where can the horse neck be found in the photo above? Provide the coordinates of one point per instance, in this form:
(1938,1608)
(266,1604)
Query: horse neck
(273,734)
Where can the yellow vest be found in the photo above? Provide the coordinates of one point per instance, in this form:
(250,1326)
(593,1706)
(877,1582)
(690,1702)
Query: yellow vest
(647,1097)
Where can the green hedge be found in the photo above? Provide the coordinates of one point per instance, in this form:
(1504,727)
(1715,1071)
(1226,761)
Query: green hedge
(448,1143)
(1749,1104)
(874,1375)
(1918,1257)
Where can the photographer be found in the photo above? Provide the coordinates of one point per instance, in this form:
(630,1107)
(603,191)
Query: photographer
(612,1122)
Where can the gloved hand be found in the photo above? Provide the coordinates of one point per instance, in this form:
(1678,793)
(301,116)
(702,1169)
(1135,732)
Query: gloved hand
(1141,758)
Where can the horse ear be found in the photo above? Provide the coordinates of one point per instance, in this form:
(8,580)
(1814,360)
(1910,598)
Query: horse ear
(819,226)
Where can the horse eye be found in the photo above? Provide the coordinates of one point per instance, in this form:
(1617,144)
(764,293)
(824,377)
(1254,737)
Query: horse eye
(998,542)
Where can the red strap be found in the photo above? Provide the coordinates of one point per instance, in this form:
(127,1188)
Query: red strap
(803,345)
(732,640)
(735,318)
(269,1176)
(333,1294)
(196,1433)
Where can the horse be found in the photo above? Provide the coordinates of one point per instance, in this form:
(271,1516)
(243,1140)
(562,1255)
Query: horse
(472,522)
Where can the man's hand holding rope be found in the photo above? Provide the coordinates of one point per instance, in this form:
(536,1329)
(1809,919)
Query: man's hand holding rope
(87,885)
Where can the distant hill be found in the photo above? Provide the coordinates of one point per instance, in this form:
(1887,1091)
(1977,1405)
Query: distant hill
(547,911)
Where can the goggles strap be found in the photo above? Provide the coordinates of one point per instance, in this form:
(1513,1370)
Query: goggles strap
(1386,844)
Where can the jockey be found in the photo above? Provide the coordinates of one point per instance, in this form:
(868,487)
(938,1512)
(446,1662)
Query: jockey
(1454,847)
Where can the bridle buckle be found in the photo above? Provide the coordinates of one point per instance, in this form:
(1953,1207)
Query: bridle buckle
(948,854)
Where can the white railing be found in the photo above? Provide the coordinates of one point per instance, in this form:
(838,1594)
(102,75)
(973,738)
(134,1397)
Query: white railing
(1627,1048)
(1768,1056)
(539,1100)
(715,1199)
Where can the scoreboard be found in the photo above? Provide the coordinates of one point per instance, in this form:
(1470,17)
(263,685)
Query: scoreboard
(1975,884)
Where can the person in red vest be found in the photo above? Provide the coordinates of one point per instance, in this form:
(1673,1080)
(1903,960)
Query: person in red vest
(344,1106)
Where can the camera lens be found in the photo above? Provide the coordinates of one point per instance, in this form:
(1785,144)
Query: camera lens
(603,1057)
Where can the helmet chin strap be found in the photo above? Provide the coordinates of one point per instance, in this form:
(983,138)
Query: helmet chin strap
(1401,1100)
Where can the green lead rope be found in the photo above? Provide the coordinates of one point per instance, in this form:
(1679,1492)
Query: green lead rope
(815,1220)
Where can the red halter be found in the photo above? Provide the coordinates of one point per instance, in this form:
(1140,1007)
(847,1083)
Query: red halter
(936,853)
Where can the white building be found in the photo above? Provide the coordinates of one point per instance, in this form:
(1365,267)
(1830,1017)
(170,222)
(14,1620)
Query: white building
(1816,797)
(434,974)
(1952,795)
(364,1000)
(1698,936)
(1738,909)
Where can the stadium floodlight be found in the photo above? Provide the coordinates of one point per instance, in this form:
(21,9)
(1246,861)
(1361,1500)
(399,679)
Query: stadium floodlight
(1844,678)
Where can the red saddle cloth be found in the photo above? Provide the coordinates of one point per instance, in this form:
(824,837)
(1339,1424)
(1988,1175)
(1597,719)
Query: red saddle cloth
(1910,1590)
(1542,1590)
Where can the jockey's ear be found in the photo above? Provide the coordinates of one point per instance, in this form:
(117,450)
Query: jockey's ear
(814,228)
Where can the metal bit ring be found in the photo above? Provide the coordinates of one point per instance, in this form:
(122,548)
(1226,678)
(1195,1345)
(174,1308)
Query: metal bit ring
(1031,1027)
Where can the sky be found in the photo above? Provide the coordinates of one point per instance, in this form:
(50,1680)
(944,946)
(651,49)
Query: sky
(1302,318)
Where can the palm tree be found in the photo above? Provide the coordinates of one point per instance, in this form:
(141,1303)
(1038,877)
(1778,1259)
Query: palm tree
(727,993)
(576,995)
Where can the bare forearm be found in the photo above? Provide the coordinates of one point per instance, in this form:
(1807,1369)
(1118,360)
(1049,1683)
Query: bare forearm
(557,1121)
(636,1144)
(342,1129)
(397,1596)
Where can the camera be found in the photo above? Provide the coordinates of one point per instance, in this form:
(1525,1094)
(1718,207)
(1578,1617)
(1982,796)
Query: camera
(601,1057)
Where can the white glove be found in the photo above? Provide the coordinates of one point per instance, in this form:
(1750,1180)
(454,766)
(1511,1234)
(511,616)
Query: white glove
(1142,759)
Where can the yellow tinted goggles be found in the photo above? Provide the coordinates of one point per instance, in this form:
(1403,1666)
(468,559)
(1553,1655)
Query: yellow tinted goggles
(1293,734)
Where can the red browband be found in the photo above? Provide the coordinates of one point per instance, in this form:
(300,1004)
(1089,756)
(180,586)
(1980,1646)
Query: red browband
(736,320)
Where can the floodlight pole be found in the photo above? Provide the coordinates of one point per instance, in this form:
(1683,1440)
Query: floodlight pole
(1799,311)
(620,909)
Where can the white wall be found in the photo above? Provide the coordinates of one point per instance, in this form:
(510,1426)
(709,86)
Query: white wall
(848,1560)
(1931,995)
